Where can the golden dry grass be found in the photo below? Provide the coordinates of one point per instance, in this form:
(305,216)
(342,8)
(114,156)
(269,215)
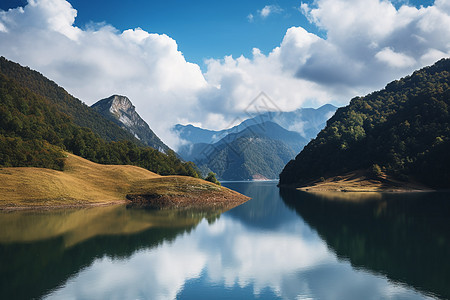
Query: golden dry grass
(183,192)
(359,182)
(86,183)
(81,182)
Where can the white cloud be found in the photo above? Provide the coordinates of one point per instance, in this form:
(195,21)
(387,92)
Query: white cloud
(268,10)
(368,43)
(97,62)
(365,35)
(265,12)
(394,59)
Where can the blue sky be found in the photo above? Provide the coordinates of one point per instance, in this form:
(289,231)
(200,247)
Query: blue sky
(204,62)
(203,29)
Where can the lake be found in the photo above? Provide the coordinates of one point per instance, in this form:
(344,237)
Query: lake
(282,244)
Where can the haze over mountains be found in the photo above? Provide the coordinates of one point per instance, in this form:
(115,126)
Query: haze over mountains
(257,148)
(306,121)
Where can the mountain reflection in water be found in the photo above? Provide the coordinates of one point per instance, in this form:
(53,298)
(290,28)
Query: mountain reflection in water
(405,236)
(42,249)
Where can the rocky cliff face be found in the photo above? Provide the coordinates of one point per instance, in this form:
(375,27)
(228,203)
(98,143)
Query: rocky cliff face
(120,110)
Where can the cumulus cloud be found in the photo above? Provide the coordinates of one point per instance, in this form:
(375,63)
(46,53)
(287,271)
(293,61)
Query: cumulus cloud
(367,44)
(370,42)
(393,59)
(99,61)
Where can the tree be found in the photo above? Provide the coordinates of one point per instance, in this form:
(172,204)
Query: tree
(212,178)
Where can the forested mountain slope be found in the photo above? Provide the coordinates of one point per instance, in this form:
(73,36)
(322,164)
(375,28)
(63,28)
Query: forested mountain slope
(81,114)
(258,152)
(34,131)
(402,131)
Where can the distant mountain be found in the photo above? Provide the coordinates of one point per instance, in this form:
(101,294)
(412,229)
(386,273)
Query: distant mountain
(258,147)
(121,111)
(258,152)
(306,121)
(245,156)
(39,121)
(402,131)
(269,130)
(195,135)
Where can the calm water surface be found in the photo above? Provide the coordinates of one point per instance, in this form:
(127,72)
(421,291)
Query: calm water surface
(280,245)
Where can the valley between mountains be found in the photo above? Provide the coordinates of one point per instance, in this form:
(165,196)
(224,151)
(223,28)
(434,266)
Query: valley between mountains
(57,151)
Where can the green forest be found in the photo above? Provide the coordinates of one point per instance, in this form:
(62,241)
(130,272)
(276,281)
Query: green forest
(246,156)
(402,130)
(39,121)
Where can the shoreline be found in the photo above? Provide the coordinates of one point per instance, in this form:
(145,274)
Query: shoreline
(64,206)
(358,182)
(393,191)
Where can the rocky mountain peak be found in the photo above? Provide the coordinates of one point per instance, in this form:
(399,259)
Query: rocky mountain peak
(119,105)
(120,110)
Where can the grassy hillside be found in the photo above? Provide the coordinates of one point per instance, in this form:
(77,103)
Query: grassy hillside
(402,131)
(83,183)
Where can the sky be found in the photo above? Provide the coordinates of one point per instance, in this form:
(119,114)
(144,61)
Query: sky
(205,62)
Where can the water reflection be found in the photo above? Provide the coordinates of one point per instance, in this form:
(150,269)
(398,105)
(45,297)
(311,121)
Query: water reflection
(403,236)
(265,212)
(225,256)
(40,250)
(262,249)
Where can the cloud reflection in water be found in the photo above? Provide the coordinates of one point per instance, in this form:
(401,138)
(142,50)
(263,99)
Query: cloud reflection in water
(229,255)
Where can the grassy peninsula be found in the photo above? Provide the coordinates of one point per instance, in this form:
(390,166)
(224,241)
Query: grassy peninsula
(85,183)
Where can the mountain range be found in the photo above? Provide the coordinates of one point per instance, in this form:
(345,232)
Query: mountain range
(257,148)
(400,132)
(306,121)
